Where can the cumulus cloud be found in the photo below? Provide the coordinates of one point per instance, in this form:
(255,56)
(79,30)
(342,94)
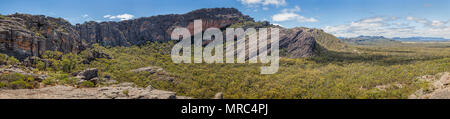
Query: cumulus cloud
(274,2)
(289,15)
(121,17)
(391,27)
(264,2)
(295,9)
(428,23)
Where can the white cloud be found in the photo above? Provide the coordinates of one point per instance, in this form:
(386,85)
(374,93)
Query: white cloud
(428,23)
(251,1)
(278,24)
(107,16)
(121,17)
(284,16)
(85,16)
(289,15)
(292,16)
(264,2)
(275,2)
(391,27)
(295,9)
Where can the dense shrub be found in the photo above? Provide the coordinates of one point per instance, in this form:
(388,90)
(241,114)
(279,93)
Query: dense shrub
(17,81)
(7,60)
(336,74)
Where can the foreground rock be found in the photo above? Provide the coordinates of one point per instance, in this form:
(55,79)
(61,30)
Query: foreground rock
(121,91)
(439,89)
(23,71)
(218,96)
(87,74)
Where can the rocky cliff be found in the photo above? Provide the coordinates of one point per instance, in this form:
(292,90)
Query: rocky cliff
(23,35)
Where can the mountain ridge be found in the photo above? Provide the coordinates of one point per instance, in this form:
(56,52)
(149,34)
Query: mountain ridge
(24,35)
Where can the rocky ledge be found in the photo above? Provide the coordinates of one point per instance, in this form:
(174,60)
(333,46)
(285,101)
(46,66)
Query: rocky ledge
(120,91)
(439,87)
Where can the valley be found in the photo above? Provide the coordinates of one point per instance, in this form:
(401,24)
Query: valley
(43,52)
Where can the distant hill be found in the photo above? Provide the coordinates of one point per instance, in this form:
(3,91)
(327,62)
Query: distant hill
(421,39)
(369,40)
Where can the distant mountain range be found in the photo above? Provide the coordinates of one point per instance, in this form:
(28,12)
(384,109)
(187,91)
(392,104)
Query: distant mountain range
(369,40)
(381,40)
(421,39)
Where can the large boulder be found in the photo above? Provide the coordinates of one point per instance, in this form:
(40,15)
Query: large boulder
(87,74)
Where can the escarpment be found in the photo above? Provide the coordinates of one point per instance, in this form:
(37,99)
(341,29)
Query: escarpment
(23,35)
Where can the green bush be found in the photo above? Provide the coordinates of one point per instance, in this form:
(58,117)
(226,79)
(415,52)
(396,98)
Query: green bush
(7,60)
(87,84)
(19,84)
(49,82)
(17,81)
(3,85)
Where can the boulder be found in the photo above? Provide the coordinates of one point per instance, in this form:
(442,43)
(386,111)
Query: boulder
(218,96)
(87,74)
(151,70)
(158,71)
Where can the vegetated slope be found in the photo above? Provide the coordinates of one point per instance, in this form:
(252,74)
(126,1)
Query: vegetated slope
(376,72)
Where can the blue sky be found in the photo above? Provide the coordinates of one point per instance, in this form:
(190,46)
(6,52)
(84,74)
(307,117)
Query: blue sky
(346,18)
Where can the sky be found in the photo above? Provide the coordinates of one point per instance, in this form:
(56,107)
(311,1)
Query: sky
(342,18)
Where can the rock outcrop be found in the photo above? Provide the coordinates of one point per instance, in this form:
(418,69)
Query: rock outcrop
(87,74)
(155,28)
(218,96)
(439,87)
(120,91)
(13,69)
(297,42)
(158,71)
(23,35)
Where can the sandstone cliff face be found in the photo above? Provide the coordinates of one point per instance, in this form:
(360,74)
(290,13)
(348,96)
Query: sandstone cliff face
(24,35)
(156,28)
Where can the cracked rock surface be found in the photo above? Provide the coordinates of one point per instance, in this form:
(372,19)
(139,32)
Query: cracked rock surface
(120,91)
